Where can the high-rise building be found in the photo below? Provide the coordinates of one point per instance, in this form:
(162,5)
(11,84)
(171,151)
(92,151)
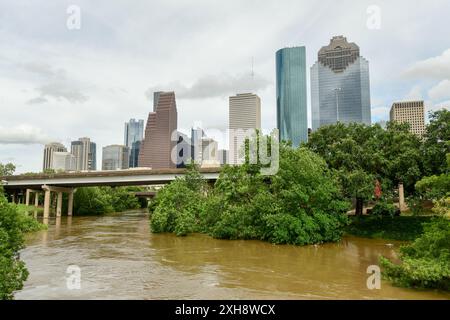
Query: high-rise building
(183,150)
(197,134)
(411,112)
(63,161)
(340,88)
(85,153)
(244,119)
(49,149)
(210,156)
(223,156)
(160,133)
(115,157)
(133,135)
(292,119)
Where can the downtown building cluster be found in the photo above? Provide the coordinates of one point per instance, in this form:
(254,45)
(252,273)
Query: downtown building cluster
(340,92)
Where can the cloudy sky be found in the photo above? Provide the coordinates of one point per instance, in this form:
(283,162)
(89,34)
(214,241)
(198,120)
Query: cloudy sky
(59,83)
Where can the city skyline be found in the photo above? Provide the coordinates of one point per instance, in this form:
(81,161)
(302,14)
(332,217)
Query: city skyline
(65,95)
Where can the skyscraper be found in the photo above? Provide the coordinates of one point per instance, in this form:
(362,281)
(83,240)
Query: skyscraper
(160,133)
(85,153)
(49,149)
(340,88)
(244,118)
(63,161)
(411,112)
(292,120)
(115,157)
(183,150)
(133,135)
(197,134)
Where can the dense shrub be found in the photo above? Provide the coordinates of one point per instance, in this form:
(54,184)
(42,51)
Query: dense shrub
(426,262)
(13,224)
(301,204)
(100,200)
(384,208)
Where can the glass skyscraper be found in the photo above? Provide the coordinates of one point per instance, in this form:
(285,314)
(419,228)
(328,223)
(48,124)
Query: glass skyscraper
(340,88)
(133,135)
(292,121)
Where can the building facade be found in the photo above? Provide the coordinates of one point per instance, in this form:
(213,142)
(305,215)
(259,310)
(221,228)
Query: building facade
(63,161)
(133,135)
(223,156)
(160,133)
(340,87)
(49,150)
(210,155)
(244,120)
(85,153)
(411,112)
(183,150)
(197,134)
(115,157)
(291,94)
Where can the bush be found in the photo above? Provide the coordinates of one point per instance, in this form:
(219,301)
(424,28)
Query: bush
(13,224)
(384,209)
(100,200)
(425,262)
(301,204)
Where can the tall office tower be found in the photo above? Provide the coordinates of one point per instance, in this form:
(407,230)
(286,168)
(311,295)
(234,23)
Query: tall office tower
(49,149)
(223,156)
(160,133)
(63,161)
(340,88)
(183,150)
(244,118)
(210,156)
(115,157)
(133,135)
(411,112)
(197,134)
(85,153)
(292,118)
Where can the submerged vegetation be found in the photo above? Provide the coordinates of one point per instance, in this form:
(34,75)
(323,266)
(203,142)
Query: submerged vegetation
(301,204)
(101,200)
(14,223)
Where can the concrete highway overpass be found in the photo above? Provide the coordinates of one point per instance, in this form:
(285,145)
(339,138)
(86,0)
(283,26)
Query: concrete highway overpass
(68,182)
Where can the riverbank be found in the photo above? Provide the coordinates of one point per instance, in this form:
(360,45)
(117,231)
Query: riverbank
(403,228)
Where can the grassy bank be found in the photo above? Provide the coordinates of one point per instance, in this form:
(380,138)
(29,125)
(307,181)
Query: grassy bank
(22,208)
(406,228)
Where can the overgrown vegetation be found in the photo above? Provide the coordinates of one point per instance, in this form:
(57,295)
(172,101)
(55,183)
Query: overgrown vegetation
(405,228)
(426,262)
(100,200)
(301,204)
(13,224)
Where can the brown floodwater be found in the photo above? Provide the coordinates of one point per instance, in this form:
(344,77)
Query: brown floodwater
(119,258)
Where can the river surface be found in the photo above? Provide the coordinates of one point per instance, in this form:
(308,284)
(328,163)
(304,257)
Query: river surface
(119,258)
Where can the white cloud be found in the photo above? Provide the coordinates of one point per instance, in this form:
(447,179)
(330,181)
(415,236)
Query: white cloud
(440,91)
(414,94)
(435,68)
(23,134)
(212,86)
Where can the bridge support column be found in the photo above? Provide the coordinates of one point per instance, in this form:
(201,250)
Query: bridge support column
(27,197)
(36,199)
(401,198)
(70,203)
(47,203)
(13,197)
(59,204)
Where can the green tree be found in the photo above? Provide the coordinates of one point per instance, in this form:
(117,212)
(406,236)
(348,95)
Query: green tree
(7,169)
(437,143)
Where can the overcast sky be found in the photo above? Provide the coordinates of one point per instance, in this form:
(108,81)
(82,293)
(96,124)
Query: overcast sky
(59,84)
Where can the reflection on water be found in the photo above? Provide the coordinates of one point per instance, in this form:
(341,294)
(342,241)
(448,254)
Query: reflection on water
(120,259)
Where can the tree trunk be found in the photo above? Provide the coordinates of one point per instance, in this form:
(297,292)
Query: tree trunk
(359,207)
